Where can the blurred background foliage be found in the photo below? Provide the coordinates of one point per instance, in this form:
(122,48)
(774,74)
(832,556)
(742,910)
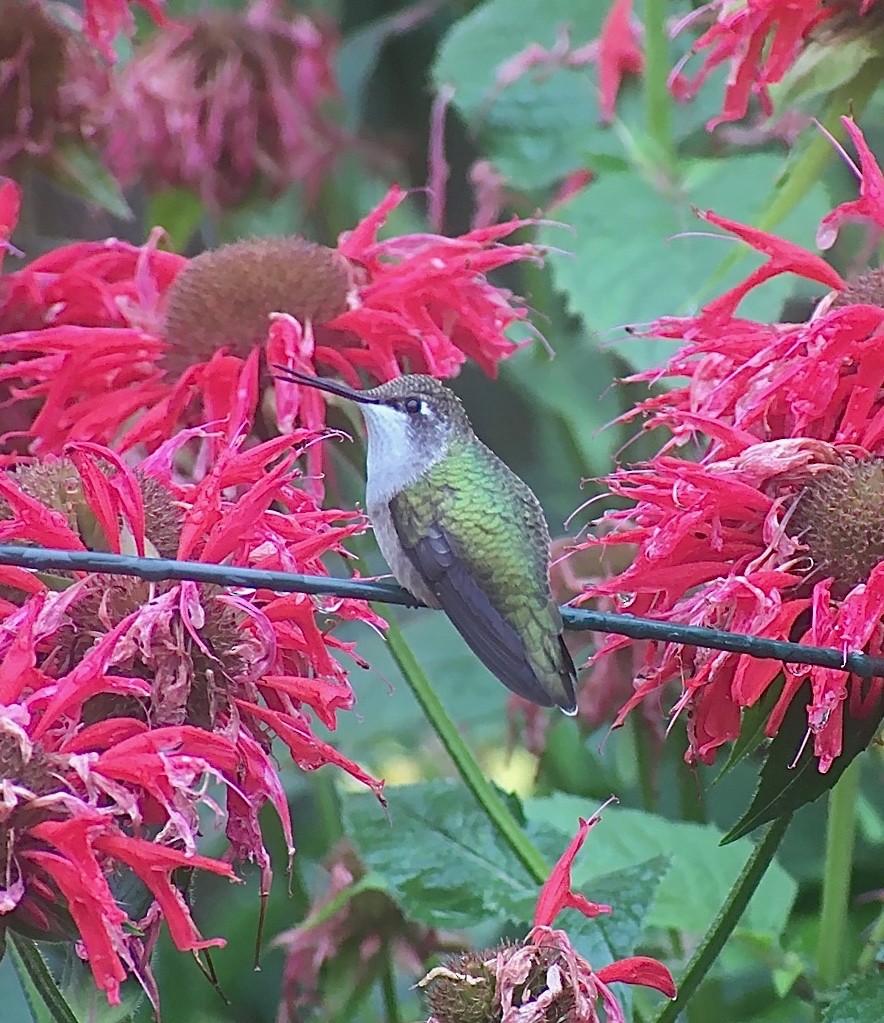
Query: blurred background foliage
(623,251)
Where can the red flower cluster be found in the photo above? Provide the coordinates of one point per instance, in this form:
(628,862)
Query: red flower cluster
(759,40)
(776,530)
(120,700)
(132,383)
(123,344)
(543,978)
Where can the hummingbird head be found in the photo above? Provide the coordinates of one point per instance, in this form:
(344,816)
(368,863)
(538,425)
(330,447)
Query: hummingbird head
(411,422)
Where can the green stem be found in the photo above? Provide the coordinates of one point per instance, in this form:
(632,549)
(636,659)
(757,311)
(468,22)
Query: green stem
(485,794)
(727,919)
(358,996)
(646,762)
(690,793)
(840,834)
(392,1012)
(658,102)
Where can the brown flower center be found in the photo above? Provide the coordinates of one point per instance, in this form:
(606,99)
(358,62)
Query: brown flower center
(840,518)
(864,289)
(224,297)
(56,483)
(462,990)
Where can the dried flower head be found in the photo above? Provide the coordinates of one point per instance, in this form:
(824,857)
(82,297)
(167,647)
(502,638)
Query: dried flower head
(543,979)
(80,809)
(354,940)
(223,298)
(228,104)
(53,88)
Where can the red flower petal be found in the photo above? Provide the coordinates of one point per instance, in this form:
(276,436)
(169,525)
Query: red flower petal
(556,893)
(869,206)
(639,970)
(619,53)
(784,258)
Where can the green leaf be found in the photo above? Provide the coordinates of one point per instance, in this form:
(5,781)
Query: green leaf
(46,1002)
(701,873)
(859,1000)
(752,726)
(78,168)
(636,256)
(538,128)
(573,387)
(178,211)
(822,67)
(544,125)
(60,988)
(440,856)
(447,866)
(786,784)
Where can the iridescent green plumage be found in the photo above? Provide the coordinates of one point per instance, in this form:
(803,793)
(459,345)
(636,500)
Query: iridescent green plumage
(477,536)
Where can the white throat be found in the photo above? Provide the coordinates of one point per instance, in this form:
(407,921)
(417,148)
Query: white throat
(395,458)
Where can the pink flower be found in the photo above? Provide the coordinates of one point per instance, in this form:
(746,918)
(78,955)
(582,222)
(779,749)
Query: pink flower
(53,87)
(122,344)
(356,937)
(225,104)
(544,978)
(775,532)
(759,40)
(106,19)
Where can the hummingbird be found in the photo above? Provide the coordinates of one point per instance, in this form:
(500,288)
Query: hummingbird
(461,531)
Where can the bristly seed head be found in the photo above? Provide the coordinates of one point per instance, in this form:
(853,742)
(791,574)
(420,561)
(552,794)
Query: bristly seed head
(56,483)
(864,289)
(462,989)
(465,988)
(224,297)
(839,516)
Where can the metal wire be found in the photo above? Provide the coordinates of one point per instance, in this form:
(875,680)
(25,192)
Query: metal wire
(42,559)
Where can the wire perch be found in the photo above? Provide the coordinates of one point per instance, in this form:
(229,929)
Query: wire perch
(578,619)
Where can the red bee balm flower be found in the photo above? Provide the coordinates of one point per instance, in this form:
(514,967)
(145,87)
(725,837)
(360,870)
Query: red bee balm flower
(777,530)
(544,978)
(100,332)
(760,40)
(158,688)
(71,817)
(53,87)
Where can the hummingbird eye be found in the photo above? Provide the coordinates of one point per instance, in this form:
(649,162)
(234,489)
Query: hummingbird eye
(413,406)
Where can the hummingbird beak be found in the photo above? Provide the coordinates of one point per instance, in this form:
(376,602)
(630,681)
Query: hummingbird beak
(292,376)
